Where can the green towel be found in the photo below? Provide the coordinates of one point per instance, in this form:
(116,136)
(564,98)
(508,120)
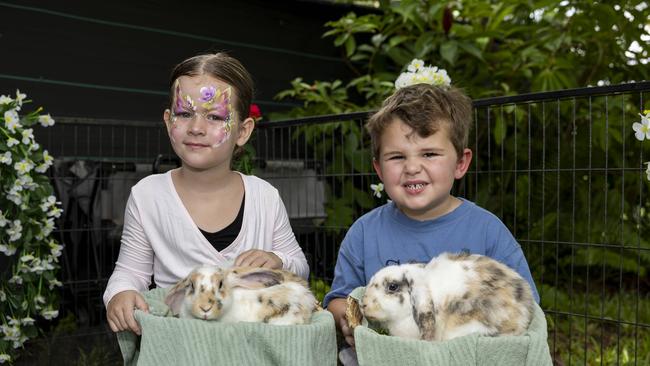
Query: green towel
(167,340)
(528,349)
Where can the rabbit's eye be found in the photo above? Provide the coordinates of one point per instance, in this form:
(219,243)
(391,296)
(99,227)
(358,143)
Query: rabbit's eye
(393,287)
(220,285)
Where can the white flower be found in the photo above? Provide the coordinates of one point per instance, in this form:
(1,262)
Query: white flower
(5,99)
(46,120)
(6,157)
(4,357)
(47,158)
(417,73)
(15,230)
(26,182)
(55,212)
(377,189)
(12,121)
(647,170)
(20,97)
(16,279)
(48,227)
(28,136)
(55,283)
(14,197)
(12,142)
(55,249)
(24,166)
(3,219)
(8,250)
(642,130)
(50,314)
(415,65)
(35,146)
(27,258)
(27,321)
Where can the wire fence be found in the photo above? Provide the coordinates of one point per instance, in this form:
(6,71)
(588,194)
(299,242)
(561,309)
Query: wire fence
(562,170)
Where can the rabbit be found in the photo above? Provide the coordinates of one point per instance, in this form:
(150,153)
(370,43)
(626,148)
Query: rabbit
(264,295)
(451,296)
(194,295)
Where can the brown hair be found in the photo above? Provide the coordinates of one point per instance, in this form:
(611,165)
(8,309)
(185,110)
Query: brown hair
(223,67)
(424,108)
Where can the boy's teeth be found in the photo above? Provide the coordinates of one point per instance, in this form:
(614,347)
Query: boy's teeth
(415,186)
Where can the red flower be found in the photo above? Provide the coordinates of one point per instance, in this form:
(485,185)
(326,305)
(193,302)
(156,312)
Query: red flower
(255,112)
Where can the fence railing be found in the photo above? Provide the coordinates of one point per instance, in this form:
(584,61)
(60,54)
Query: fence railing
(562,170)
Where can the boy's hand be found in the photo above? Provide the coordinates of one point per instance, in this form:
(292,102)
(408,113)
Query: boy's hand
(348,333)
(258,258)
(119,311)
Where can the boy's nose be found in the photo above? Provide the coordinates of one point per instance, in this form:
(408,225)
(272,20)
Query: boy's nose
(412,166)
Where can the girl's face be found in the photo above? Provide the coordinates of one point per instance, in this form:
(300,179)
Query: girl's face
(202,124)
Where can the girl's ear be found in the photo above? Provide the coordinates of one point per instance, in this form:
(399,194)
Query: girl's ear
(463,163)
(167,115)
(245,130)
(377,166)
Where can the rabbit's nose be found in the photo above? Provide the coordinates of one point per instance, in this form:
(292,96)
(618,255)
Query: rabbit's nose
(205,309)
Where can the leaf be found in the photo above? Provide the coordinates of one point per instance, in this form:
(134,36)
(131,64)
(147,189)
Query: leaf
(499,131)
(471,49)
(449,51)
(350,46)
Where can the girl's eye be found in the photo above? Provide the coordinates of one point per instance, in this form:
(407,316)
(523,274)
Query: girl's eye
(214,117)
(183,114)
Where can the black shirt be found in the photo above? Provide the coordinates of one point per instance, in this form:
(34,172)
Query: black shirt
(222,238)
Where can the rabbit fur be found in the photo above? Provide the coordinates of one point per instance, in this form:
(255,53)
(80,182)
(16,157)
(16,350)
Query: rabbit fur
(242,294)
(451,296)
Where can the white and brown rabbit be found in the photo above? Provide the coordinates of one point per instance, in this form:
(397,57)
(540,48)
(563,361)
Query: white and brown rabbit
(451,296)
(264,295)
(242,294)
(194,295)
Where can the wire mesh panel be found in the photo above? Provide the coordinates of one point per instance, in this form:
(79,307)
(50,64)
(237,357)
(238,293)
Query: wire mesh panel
(562,170)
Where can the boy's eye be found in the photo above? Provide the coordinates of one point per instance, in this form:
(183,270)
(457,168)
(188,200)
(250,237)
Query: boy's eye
(395,157)
(430,155)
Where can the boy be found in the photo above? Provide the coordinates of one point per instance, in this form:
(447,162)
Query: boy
(419,142)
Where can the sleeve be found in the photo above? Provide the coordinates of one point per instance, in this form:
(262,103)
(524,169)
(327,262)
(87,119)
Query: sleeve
(134,265)
(507,250)
(285,245)
(349,270)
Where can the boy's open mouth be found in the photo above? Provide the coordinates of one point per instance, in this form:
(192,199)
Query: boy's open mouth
(415,188)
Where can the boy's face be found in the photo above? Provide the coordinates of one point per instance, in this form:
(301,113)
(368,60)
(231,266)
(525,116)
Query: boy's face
(202,123)
(419,172)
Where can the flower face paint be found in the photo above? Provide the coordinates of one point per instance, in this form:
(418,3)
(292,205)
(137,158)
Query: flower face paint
(216,109)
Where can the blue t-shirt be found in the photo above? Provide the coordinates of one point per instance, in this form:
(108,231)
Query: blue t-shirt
(386,236)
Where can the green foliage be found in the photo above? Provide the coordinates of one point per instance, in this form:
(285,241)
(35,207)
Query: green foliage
(596,336)
(319,287)
(28,284)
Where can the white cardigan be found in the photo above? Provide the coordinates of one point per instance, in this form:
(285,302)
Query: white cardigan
(160,237)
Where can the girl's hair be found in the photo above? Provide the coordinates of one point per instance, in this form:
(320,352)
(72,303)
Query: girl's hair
(223,67)
(425,108)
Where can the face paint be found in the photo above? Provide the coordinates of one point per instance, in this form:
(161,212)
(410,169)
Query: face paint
(217,111)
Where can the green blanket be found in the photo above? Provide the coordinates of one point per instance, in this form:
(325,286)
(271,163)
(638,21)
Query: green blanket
(528,349)
(167,340)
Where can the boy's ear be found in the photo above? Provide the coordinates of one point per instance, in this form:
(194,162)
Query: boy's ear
(245,130)
(375,164)
(463,163)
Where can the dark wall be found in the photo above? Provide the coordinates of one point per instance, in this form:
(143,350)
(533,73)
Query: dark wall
(111,59)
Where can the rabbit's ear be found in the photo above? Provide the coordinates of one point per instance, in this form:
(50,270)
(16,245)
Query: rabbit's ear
(424,311)
(176,295)
(255,279)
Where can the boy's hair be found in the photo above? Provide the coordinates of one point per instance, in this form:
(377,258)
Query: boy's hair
(424,108)
(219,66)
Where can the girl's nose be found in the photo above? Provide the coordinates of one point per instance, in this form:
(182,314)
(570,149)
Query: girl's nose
(197,126)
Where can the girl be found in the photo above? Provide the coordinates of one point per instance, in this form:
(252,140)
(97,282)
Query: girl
(202,212)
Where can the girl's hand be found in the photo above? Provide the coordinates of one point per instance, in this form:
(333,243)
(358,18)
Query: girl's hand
(258,258)
(119,311)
